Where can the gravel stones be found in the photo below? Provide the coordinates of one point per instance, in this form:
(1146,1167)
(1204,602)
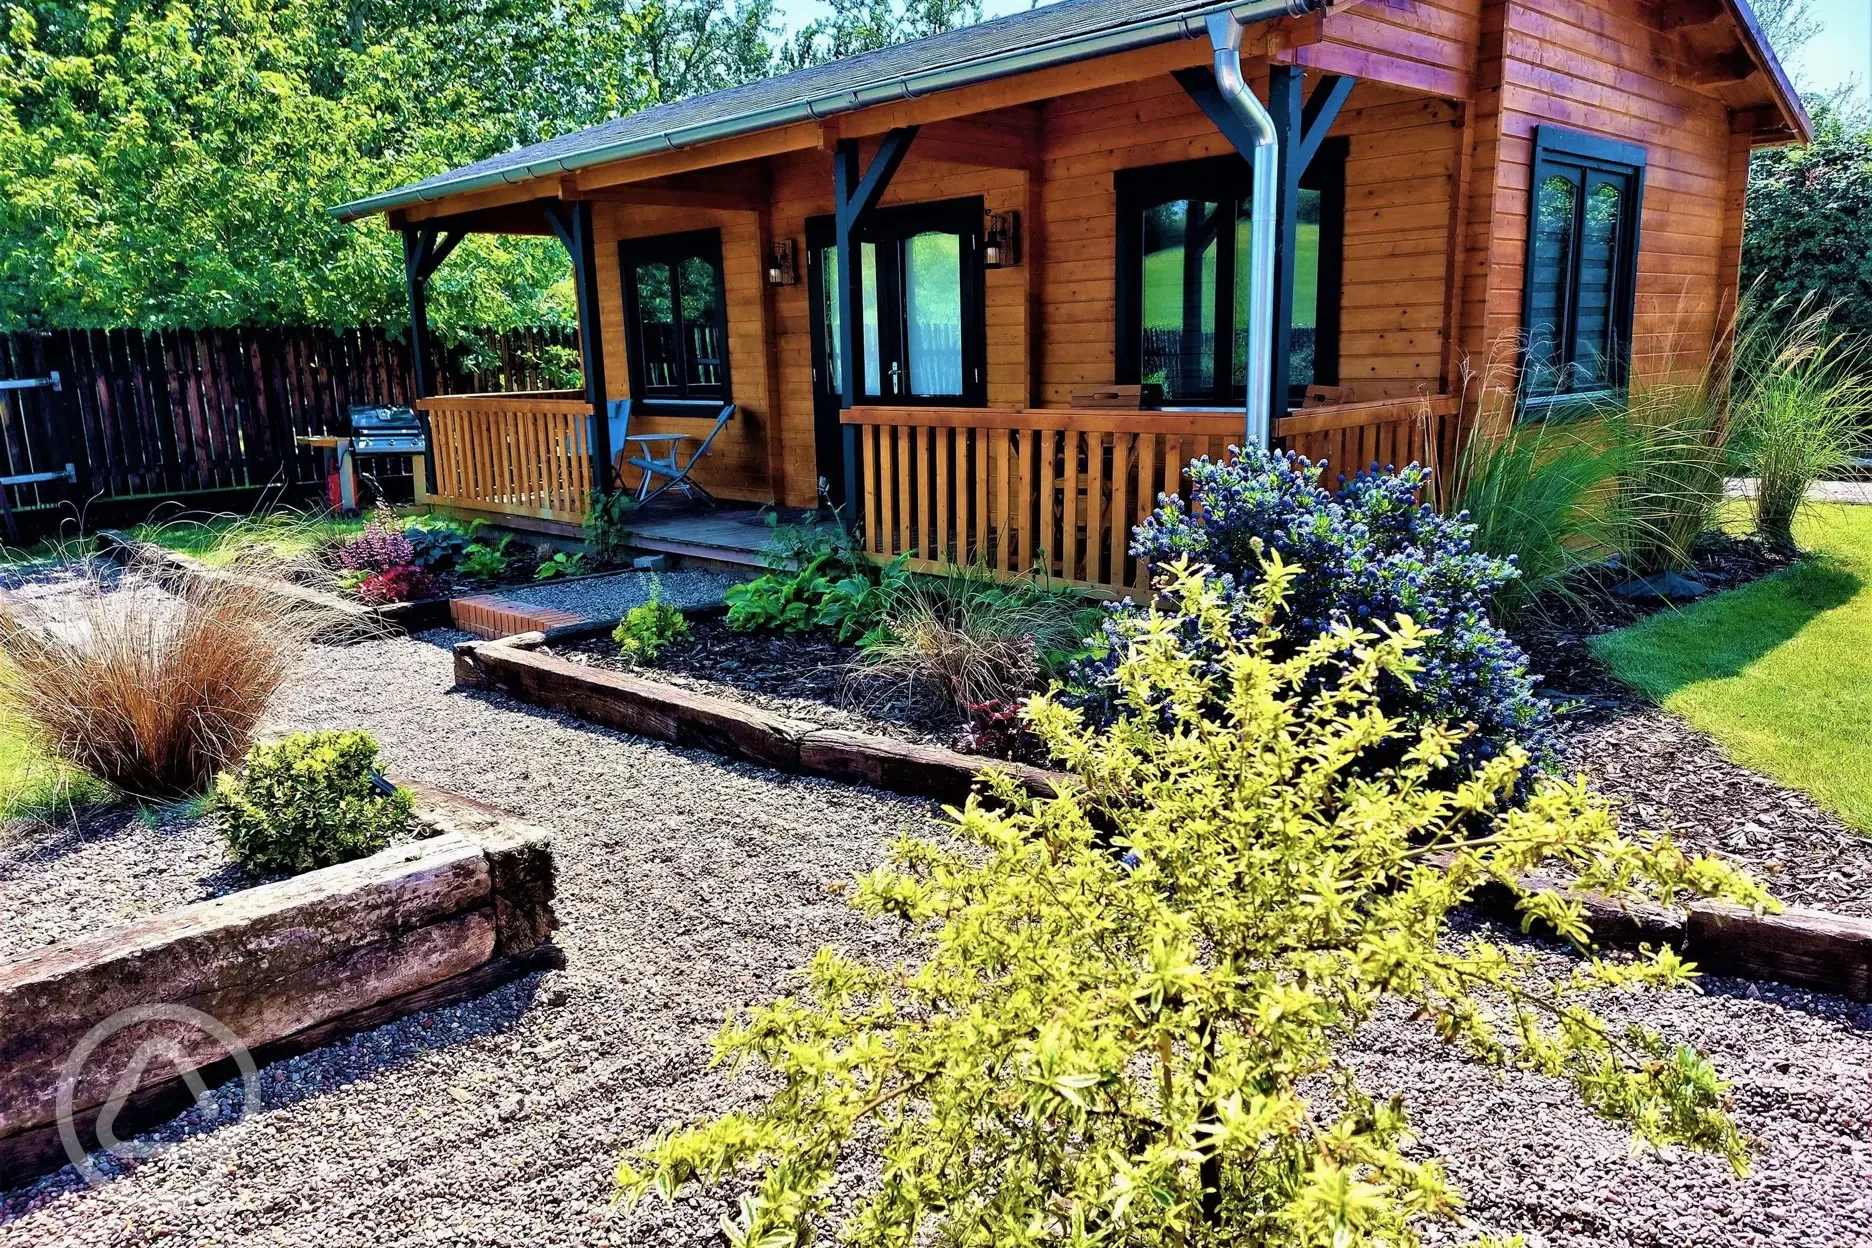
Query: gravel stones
(96,868)
(609,597)
(689,887)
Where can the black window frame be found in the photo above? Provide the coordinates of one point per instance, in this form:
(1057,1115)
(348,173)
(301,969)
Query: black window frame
(1229,179)
(672,249)
(1556,147)
(889,229)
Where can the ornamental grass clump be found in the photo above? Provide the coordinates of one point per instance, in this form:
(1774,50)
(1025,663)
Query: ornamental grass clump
(1133,1020)
(1369,552)
(152,691)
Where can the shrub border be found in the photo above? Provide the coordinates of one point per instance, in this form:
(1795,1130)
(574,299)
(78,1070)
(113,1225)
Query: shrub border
(475,896)
(1810,949)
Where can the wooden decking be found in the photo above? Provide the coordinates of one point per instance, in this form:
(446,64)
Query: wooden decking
(737,536)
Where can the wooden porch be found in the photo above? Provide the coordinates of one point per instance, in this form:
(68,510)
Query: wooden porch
(1047,492)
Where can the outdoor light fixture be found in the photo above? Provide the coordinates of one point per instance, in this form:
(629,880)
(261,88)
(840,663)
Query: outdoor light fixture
(1001,243)
(780,269)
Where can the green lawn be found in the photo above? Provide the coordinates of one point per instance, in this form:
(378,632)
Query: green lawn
(1780,671)
(218,541)
(33,784)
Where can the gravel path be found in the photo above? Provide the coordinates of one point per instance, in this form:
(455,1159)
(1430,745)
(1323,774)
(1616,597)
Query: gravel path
(689,886)
(609,597)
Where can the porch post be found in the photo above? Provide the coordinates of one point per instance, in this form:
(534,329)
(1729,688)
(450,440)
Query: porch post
(1284,106)
(424,248)
(572,222)
(854,196)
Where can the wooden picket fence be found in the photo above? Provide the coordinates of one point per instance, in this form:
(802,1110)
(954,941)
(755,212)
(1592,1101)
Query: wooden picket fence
(173,413)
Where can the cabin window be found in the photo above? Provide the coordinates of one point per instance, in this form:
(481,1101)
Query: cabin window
(675,320)
(1183,252)
(923,333)
(1582,265)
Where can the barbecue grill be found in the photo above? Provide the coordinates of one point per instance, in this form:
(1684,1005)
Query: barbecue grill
(380,430)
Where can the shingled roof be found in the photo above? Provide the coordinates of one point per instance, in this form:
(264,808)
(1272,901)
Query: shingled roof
(1058,33)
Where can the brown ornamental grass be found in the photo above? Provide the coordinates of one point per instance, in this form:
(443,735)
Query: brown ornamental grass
(152,690)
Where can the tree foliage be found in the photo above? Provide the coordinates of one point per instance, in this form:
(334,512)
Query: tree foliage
(1131,1024)
(169,162)
(1809,220)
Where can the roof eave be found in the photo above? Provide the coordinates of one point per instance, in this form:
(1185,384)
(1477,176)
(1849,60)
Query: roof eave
(1758,47)
(1067,51)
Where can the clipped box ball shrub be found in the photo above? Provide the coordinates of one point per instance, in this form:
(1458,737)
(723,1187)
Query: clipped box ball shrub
(1365,556)
(1135,1013)
(310,800)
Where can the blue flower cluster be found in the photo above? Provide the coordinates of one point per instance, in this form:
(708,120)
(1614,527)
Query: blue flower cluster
(1369,553)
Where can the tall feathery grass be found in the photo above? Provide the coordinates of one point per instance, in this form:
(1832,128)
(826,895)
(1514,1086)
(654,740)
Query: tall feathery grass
(150,690)
(1803,396)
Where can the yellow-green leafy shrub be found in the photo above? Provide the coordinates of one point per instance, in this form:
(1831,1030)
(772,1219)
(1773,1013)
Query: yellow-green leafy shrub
(1131,1024)
(649,628)
(310,800)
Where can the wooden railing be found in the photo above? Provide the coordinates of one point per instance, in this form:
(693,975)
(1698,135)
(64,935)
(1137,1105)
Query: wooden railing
(1056,492)
(516,454)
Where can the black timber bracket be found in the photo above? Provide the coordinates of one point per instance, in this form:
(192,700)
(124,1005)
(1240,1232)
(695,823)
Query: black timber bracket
(424,250)
(855,194)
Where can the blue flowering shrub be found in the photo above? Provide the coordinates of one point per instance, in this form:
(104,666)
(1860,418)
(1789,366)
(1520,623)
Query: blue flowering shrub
(1367,555)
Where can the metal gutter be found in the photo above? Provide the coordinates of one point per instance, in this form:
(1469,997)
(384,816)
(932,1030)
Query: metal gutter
(1225,36)
(1066,51)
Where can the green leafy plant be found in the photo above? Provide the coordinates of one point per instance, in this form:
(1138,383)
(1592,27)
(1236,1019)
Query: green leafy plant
(649,628)
(561,564)
(311,800)
(484,562)
(607,526)
(1131,1023)
(1802,398)
(1676,446)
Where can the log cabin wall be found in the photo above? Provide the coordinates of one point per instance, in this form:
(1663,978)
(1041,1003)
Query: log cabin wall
(1604,67)
(737,465)
(1403,154)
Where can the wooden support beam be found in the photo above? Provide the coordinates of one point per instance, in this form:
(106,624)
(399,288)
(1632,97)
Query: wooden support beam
(572,222)
(418,244)
(1730,67)
(1289,114)
(1322,109)
(1687,14)
(854,196)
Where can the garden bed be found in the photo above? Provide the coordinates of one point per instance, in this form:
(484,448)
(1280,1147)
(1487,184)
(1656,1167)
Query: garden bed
(271,969)
(804,676)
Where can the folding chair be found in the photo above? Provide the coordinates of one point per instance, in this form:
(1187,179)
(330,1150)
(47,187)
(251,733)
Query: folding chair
(669,463)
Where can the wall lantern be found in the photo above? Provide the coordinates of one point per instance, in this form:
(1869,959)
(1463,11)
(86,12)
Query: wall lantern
(780,267)
(1001,242)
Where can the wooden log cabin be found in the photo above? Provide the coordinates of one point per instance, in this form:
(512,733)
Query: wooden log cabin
(920,274)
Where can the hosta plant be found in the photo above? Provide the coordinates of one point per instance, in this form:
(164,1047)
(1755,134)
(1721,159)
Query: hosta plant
(1129,1024)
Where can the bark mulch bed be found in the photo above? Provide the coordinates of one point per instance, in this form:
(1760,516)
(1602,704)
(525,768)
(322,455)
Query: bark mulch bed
(1670,776)
(805,676)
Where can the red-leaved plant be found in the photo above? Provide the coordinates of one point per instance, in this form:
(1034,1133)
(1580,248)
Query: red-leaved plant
(405,583)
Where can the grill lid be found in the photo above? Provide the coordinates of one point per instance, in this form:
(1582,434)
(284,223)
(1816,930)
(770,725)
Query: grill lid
(368,419)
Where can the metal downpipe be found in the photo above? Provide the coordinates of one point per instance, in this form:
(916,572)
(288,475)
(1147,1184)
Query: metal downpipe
(1225,36)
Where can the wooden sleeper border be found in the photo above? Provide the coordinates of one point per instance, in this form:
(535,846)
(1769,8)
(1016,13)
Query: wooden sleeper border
(287,967)
(1806,948)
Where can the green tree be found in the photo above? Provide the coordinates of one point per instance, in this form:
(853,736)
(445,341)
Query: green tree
(169,163)
(1808,224)
(1151,1049)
